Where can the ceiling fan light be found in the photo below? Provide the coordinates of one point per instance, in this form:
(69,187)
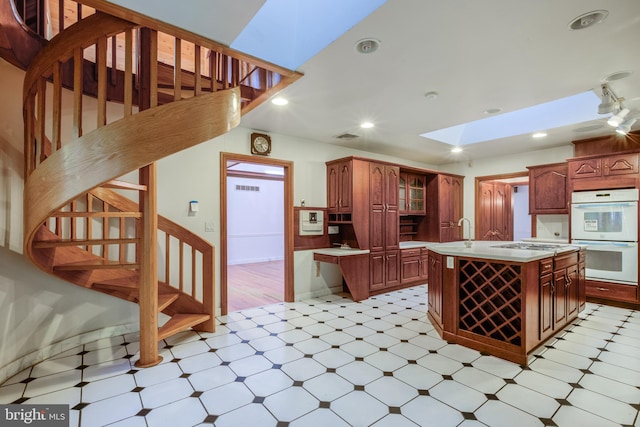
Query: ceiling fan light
(615,121)
(625,127)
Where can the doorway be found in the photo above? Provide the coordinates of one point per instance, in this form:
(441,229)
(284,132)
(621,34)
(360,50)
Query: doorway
(256,240)
(502,207)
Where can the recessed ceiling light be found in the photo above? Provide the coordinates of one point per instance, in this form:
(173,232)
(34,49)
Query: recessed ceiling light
(366,46)
(588,19)
(618,75)
(456,150)
(431,95)
(279,101)
(366,125)
(492,110)
(539,135)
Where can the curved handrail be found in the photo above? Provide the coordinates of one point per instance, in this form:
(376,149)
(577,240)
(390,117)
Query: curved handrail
(121,147)
(23,43)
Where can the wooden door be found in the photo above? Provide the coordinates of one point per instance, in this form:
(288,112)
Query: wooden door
(485,210)
(495,217)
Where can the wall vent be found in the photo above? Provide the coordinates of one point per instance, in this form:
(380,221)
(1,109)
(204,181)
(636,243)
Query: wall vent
(247,188)
(347,136)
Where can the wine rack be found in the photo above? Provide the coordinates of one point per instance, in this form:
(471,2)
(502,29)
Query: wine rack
(491,300)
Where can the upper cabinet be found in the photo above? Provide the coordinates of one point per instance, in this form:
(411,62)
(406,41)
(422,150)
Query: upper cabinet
(339,187)
(548,189)
(412,194)
(604,171)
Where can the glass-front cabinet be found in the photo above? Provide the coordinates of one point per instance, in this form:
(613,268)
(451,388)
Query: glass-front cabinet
(411,194)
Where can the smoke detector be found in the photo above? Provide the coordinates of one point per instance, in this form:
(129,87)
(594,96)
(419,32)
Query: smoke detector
(588,19)
(367,46)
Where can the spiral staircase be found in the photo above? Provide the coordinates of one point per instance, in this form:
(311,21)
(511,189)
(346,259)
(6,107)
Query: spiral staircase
(103,99)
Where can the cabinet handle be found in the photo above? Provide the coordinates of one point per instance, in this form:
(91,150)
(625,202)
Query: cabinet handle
(602,289)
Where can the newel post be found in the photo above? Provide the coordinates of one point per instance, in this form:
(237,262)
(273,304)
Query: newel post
(148,259)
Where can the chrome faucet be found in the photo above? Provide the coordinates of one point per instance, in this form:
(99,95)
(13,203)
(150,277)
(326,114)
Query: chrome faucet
(467,243)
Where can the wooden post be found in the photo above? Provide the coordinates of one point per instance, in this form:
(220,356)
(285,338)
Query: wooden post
(148,292)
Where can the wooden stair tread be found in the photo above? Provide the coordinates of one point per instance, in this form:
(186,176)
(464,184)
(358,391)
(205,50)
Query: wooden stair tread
(124,185)
(165,300)
(180,322)
(76,242)
(97,264)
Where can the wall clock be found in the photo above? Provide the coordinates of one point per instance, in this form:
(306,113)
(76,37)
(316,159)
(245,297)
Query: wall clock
(260,144)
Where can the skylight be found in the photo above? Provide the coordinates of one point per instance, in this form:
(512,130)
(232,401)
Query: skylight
(288,32)
(561,112)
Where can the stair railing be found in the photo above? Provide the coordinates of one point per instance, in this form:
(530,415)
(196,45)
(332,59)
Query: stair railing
(68,155)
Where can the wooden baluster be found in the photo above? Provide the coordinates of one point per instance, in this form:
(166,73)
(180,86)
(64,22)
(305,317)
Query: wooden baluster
(114,61)
(42,108)
(213,69)
(30,144)
(193,272)
(181,267)
(149,270)
(89,224)
(128,72)
(225,71)
(72,220)
(105,230)
(153,69)
(56,142)
(197,70)
(177,69)
(101,65)
(60,16)
(122,234)
(79,12)
(77,92)
(167,258)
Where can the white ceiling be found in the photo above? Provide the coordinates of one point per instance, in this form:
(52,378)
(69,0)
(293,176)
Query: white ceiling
(476,54)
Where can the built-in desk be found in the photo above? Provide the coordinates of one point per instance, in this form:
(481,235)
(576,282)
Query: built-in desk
(354,266)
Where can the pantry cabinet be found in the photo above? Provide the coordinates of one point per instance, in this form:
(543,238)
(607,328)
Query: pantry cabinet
(494,211)
(548,189)
(384,222)
(450,207)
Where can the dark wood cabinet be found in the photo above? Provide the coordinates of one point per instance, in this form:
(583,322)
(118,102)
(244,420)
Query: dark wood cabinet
(450,207)
(384,236)
(560,291)
(494,211)
(340,187)
(424,264)
(411,190)
(601,166)
(434,290)
(548,189)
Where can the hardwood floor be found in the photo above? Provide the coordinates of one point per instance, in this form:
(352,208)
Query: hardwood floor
(254,285)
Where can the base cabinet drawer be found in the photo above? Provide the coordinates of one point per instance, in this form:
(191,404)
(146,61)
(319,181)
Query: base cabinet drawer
(612,291)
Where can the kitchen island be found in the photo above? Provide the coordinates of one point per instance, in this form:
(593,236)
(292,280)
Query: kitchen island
(503,298)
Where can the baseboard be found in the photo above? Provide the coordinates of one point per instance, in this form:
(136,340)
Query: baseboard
(51,350)
(300,296)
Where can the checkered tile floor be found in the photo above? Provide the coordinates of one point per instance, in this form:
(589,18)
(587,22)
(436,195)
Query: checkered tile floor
(333,362)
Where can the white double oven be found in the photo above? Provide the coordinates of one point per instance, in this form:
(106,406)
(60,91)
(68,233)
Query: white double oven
(607,223)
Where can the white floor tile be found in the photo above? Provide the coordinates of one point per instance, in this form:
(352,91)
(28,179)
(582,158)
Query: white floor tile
(104,343)
(106,370)
(617,373)
(458,396)
(417,376)
(603,406)
(291,403)
(498,414)
(394,420)
(226,398)
(66,396)
(614,389)
(110,410)
(182,413)
(11,392)
(182,351)
(425,410)
(212,378)
(479,380)
(157,374)
(385,361)
(253,415)
(381,340)
(319,418)
(51,383)
(359,408)
(199,362)
(268,382)
(303,369)
(235,352)
(164,393)
(459,353)
(496,366)
(556,370)
(391,391)
(282,355)
(328,387)
(408,351)
(569,416)
(311,346)
(108,387)
(333,358)
(545,384)
(359,373)
(530,401)
(293,336)
(359,348)
(440,364)
(250,365)
(55,366)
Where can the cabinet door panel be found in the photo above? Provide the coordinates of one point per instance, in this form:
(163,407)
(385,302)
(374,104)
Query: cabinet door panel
(587,168)
(392,267)
(410,269)
(548,189)
(560,297)
(622,164)
(333,173)
(345,188)
(546,306)
(573,299)
(376,272)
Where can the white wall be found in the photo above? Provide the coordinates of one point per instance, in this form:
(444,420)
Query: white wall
(521,217)
(501,165)
(255,221)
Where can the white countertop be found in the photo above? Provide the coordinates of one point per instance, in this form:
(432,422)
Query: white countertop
(413,244)
(545,240)
(341,251)
(487,249)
